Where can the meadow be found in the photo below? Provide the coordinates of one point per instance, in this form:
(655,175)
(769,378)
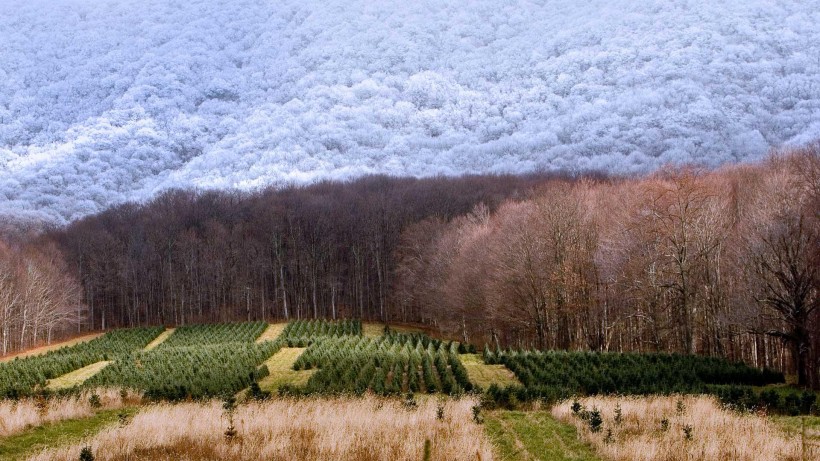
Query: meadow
(371,428)
(678,428)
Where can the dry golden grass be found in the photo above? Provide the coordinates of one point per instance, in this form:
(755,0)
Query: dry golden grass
(160,339)
(486,375)
(361,429)
(272,332)
(280,366)
(51,347)
(18,416)
(717,434)
(76,377)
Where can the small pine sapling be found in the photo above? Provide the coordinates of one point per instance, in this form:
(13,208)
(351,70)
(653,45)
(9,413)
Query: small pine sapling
(680,407)
(687,432)
(86,454)
(42,405)
(609,438)
(229,405)
(410,401)
(123,418)
(477,414)
(576,407)
(595,420)
(428,451)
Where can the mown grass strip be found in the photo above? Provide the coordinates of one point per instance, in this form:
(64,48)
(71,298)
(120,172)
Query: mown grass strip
(485,375)
(160,339)
(535,435)
(271,333)
(280,366)
(17,447)
(76,377)
(51,347)
(801,426)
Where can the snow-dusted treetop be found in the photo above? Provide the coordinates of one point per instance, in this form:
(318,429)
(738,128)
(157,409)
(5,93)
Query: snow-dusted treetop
(107,100)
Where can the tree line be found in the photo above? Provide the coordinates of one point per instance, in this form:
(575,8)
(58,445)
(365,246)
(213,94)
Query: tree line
(39,297)
(320,251)
(722,263)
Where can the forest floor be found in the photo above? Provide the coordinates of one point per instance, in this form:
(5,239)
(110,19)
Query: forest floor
(376,330)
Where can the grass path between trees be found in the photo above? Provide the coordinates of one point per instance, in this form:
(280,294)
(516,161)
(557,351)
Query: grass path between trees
(77,377)
(272,332)
(280,366)
(51,347)
(19,446)
(535,436)
(160,339)
(485,375)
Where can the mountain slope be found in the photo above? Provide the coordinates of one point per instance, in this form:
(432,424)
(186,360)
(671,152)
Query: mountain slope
(105,101)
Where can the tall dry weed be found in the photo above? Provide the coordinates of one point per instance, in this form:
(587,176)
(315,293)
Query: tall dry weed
(19,415)
(655,429)
(361,429)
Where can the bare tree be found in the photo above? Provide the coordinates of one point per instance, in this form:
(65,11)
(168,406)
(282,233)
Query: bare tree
(783,242)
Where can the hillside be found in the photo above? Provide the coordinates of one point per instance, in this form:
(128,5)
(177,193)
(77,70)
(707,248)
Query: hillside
(365,391)
(320,357)
(114,100)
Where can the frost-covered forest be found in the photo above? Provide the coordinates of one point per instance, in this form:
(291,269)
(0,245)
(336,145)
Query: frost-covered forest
(113,100)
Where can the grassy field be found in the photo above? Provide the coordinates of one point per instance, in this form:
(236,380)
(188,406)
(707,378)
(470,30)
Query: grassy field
(280,366)
(484,375)
(535,435)
(17,447)
(804,428)
(17,416)
(355,429)
(51,347)
(678,428)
